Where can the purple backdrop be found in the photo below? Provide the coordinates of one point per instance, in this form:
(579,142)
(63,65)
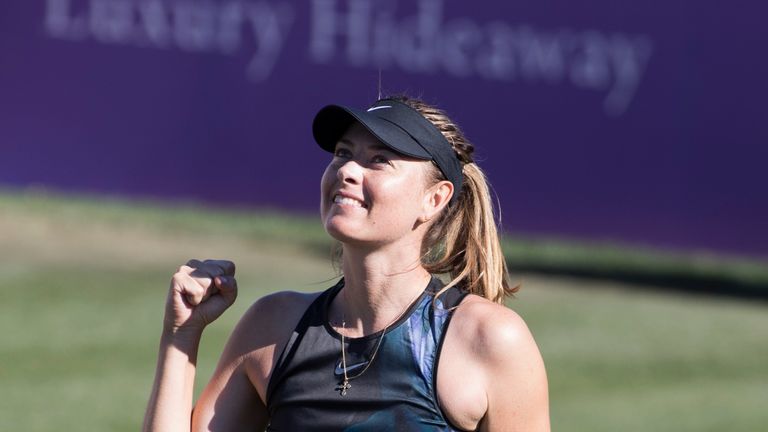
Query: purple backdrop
(605,119)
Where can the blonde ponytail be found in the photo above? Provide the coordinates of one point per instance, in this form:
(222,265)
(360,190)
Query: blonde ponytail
(464,242)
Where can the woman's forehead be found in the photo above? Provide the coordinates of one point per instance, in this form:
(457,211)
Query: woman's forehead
(368,145)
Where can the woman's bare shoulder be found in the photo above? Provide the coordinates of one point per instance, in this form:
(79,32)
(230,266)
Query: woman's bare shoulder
(501,344)
(273,317)
(490,324)
(280,305)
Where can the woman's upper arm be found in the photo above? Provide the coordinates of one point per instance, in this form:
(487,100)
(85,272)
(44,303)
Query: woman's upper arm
(230,400)
(233,399)
(516,379)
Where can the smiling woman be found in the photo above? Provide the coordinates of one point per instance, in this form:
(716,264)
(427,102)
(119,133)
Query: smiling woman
(366,191)
(375,351)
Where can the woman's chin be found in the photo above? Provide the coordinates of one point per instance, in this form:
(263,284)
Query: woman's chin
(348,230)
(344,234)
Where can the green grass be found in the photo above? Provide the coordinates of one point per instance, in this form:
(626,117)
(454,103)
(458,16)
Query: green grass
(697,271)
(83,283)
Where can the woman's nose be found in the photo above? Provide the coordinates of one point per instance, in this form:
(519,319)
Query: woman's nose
(350,172)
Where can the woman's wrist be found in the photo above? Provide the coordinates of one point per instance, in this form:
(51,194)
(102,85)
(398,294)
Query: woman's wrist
(188,328)
(186,339)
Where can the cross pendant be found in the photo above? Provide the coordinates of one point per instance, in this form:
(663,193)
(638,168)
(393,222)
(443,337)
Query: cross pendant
(343,387)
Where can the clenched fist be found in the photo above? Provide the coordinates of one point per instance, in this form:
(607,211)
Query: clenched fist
(200,292)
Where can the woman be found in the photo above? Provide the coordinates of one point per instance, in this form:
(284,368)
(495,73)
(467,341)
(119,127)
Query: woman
(376,351)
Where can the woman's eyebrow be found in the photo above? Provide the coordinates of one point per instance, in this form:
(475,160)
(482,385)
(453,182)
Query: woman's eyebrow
(375,147)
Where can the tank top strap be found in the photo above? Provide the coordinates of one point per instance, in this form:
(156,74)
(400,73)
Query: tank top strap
(314,316)
(427,328)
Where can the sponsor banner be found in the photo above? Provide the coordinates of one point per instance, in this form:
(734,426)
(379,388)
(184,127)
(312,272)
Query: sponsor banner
(605,120)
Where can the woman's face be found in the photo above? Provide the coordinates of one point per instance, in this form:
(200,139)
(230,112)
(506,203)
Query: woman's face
(369,193)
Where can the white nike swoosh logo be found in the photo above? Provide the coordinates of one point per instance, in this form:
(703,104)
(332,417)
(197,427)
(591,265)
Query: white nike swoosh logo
(378,108)
(340,368)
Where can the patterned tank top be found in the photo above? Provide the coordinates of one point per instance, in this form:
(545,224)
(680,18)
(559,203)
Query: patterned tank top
(397,389)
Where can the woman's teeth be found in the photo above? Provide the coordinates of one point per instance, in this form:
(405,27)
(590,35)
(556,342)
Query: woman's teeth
(338,199)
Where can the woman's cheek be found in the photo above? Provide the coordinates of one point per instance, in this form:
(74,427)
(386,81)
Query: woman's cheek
(326,183)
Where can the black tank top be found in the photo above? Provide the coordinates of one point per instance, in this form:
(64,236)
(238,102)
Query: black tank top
(397,390)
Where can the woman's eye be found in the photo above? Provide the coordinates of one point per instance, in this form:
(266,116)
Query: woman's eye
(342,152)
(380,159)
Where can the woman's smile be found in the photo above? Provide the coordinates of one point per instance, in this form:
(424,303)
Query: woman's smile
(348,201)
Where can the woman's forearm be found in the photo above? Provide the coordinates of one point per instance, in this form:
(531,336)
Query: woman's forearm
(170,403)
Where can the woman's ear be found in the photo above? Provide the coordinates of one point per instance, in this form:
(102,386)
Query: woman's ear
(436,198)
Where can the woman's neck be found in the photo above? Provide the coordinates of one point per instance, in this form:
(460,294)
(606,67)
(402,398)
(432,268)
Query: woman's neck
(379,285)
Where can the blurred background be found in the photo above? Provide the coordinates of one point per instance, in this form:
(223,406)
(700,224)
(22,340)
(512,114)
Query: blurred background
(626,143)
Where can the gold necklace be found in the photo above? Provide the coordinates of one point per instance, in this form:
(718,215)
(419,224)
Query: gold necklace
(345,385)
